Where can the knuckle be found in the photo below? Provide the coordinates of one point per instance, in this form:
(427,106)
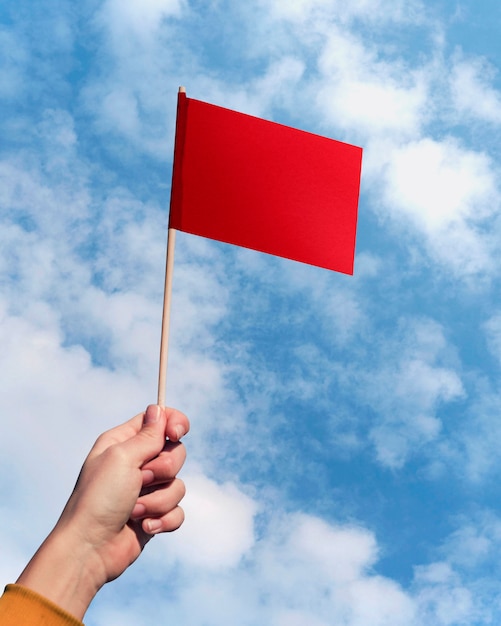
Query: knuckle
(172,459)
(181,487)
(176,519)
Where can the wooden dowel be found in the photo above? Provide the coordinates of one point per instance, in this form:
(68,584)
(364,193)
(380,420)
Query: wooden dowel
(164,340)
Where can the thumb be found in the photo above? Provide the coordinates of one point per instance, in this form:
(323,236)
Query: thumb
(150,440)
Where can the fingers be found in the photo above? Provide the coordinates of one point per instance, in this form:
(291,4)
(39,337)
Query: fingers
(160,421)
(157,424)
(166,465)
(159,500)
(177,424)
(159,508)
(166,524)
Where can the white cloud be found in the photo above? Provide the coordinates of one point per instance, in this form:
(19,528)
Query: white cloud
(417,372)
(219,527)
(131,94)
(447,192)
(439,183)
(342,553)
(322,572)
(120,107)
(442,598)
(380,602)
(475,447)
(137,19)
(365,94)
(472,91)
(301,571)
(477,541)
(463,586)
(380,11)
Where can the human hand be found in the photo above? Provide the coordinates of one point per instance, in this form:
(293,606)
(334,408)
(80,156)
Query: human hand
(127,491)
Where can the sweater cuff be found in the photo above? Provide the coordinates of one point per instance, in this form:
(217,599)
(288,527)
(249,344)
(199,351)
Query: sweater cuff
(26,607)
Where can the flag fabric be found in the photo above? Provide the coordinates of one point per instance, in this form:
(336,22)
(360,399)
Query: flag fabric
(265,186)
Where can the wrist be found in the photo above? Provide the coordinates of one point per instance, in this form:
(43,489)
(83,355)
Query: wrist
(64,570)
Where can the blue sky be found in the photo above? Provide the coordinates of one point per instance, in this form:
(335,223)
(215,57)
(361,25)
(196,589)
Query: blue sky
(344,459)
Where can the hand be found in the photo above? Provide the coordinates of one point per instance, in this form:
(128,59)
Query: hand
(127,491)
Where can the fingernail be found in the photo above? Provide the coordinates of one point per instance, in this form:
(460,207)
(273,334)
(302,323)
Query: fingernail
(151,415)
(153,526)
(148,477)
(180,432)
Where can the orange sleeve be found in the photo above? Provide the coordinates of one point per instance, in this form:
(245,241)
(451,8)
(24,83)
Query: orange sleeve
(20,606)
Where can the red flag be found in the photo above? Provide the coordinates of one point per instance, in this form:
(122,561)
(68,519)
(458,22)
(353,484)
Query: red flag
(261,185)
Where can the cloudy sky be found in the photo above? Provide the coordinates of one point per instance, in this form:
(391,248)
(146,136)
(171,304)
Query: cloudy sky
(344,457)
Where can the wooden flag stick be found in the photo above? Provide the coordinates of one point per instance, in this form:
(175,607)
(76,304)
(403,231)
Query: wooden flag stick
(169,270)
(164,341)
